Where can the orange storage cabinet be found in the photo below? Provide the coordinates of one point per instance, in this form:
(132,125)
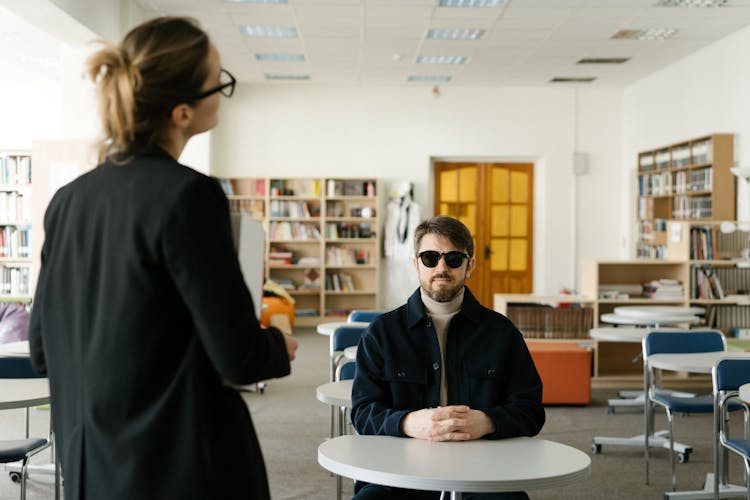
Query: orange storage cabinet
(565,368)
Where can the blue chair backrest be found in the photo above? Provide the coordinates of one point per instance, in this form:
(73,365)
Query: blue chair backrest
(12,367)
(346,336)
(348,371)
(729,374)
(364,316)
(683,342)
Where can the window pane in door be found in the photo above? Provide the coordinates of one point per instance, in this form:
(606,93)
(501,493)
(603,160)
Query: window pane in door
(499,257)
(449,185)
(467,184)
(499,184)
(469,216)
(499,220)
(519,191)
(517,255)
(518,222)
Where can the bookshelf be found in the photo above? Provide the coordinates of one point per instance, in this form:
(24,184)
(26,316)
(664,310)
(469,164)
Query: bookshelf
(322,242)
(15,226)
(688,181)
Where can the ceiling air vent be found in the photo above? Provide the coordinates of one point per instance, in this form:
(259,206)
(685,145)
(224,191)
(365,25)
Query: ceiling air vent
(573,79)
(603,60)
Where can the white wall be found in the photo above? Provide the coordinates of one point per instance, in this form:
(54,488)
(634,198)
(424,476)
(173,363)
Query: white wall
(393,133)
(704,93)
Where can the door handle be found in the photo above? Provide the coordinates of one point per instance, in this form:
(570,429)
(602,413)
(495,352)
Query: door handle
(487,251)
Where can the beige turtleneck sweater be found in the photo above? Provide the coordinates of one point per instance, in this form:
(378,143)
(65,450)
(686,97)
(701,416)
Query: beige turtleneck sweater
(441,314)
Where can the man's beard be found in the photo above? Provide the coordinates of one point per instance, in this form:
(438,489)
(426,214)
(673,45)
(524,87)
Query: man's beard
(444,293)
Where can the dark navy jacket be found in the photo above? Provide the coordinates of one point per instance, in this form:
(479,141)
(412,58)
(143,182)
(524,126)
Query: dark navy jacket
(489,369)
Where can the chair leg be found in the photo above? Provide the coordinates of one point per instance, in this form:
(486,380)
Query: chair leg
(23,477)
(671,449)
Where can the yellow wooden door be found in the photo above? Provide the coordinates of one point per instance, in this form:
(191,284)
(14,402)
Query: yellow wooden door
(495,201)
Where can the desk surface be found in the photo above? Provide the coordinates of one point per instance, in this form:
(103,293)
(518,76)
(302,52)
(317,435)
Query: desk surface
(329,328)
(702,362)
(633,335)
(654,319)
(335,393)
(23,392)
(18,349)
(650,311)
(477,466)
(745,393)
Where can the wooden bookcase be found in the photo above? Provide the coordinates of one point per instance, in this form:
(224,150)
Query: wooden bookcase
(323,240)
(688,181)
(15,226)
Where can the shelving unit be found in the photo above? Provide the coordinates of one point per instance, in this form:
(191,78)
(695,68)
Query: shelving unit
(688,181)
(322,240)
(15,226)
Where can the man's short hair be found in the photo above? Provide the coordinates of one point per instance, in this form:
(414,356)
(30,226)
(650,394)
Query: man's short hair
(453,229)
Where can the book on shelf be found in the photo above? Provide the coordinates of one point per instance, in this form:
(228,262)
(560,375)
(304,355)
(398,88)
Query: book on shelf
(663,289)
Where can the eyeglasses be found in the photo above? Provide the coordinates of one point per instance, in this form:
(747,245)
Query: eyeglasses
(454,259)
(226,87)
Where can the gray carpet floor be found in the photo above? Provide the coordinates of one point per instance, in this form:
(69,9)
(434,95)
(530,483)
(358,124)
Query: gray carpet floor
(291,423)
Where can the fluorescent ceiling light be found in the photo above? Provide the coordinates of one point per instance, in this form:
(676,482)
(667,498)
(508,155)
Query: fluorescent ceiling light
(472,3)
(442,59)
(572,79)
(269,31)
(256,1)
(279,57)
(430,78)
(603,60)
(645,34)
(287,76)
(455,34)
(691,3)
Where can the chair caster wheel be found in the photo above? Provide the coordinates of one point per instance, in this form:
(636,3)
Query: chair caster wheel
(683,457)
(15,477)
(596,448)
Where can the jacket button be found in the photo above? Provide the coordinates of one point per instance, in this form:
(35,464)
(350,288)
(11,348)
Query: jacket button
(490,372)
(435,366)
(400,374)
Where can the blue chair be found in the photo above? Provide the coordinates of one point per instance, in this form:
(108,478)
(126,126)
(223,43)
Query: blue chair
(363,316)
(675,343)
(341,368)
(728,375)
(21,450)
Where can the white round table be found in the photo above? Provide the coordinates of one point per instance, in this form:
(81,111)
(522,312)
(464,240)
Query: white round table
(329,328)
(630,335)
(23,392)
(648,311)
(479,466)
(18,349)
(654,319)
(335,393)
(745,393)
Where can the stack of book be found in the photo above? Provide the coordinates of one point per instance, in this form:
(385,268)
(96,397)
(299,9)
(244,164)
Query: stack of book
(663,289)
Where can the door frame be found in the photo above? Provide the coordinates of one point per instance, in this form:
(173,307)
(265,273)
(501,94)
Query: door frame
(538,268)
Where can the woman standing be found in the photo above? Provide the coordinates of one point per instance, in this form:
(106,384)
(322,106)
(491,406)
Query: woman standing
(141,313)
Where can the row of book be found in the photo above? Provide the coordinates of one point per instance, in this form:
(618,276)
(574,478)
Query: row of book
(729,280)
(15,169)
(337,256)
(294,209)
(16,280)
(255,208)
(293,231)
(655,184)
(15,242)
(701,179)
(705,283)
(349,230)
(692,207)
(340,282)
(726,317)
(540,322)
(678,156)
(14,206)
(702,243)
(649,251)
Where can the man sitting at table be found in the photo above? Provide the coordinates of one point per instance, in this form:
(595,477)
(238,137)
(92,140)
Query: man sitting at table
(443,367)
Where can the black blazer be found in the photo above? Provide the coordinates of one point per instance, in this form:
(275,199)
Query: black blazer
(140,315)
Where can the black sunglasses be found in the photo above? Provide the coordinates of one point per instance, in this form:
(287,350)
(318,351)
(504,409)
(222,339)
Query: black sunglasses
(226,87)
(454,259)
